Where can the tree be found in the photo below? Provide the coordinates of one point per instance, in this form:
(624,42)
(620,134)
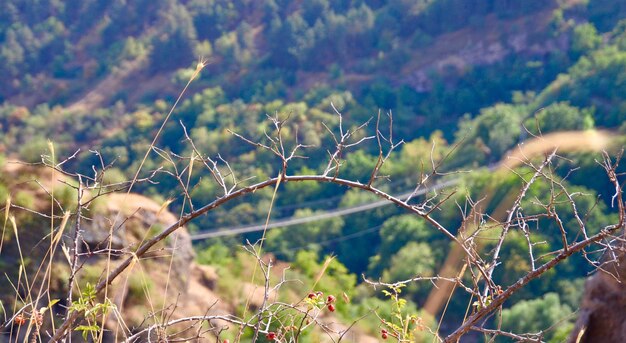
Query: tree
(411,260)
(561,117)
(395,233)
(535,315)
(176,43)
(585,39)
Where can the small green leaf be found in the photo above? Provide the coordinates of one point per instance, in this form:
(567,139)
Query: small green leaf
(86,329)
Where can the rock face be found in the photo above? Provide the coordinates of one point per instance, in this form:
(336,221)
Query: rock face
(141,218)
(603,309)
(166,281)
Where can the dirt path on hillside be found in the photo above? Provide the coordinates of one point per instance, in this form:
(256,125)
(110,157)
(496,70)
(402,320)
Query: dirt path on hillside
(108,87)
(571,141)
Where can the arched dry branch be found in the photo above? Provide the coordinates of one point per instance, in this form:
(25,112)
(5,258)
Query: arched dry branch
(475,277)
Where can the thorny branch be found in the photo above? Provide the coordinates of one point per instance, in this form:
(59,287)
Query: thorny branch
(481,272)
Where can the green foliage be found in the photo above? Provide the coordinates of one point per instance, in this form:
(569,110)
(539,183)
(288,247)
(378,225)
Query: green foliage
(561,116)
(34,149)
(515,261)
(594,81)
(571,291)
(4,193)
(412,260)
(286,242)
(395,233)
(175,46)
(24,198)
(66,196)
(298,192)
(499,127)
(215,254)
(138,286)
(113,176)
(92,309)
(359,165)
(402,321)
(415,157)
(336,279)
(537,315)
(89,274)
(585,39)
(417,255)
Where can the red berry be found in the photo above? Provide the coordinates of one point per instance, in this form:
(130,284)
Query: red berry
(331,299)
(19,319)
(226,341)
(331,308)
(271,335)
(311,295)
(384,335)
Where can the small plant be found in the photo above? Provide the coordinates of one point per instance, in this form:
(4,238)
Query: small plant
(400,325)
(92,310)
(315,300)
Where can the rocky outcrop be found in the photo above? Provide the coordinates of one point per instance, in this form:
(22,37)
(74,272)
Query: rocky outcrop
(166,280)
(602,314)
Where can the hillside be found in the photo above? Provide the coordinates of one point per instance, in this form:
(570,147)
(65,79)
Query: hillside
(462,83)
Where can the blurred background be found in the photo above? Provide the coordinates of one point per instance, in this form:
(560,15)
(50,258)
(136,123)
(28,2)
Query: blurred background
(467,81)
